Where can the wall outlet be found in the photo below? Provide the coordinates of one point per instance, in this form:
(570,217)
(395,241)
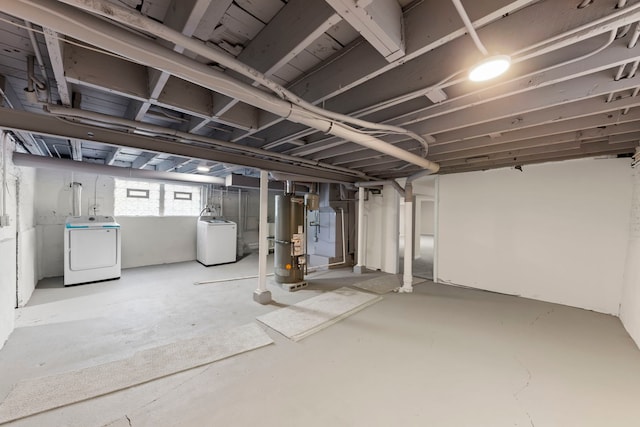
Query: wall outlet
(4,220)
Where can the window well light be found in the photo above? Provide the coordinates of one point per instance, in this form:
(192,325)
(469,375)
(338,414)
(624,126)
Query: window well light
(490,68)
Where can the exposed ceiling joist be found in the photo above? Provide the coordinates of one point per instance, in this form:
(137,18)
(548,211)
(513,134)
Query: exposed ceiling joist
(305,21)
(378,21)
(47,125)
(381,84)
(184,16)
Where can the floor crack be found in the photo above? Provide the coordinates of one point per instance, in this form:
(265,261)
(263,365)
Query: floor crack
(530,419)
(540,315)
(128,419)
(528,382)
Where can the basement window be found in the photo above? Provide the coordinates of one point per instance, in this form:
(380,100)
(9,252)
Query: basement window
(140,198)
(181,200)
(136,198)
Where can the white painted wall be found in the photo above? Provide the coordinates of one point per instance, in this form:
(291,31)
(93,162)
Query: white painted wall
(26,223)
(17,275)
(53,205)
(381,225)
(555,232)
(157,240)
(427,210)
(145,240)
(630,307)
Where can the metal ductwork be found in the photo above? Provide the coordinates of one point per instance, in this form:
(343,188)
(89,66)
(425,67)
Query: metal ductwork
(29,160)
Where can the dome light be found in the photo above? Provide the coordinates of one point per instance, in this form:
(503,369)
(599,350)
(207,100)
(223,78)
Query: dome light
(490,68)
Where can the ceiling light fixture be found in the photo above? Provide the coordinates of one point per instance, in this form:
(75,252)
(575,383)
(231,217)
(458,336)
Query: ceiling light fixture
(202,167)
(491,66)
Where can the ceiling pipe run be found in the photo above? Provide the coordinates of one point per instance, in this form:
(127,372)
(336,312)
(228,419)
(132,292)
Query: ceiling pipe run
(106,120)
(28,160)
(134,19)
(53,126)
(75,23)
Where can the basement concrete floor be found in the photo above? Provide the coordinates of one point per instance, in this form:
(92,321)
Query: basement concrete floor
(442,356)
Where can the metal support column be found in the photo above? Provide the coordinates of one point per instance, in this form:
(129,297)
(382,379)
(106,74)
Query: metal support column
(407,277)
(359,267)
(262,295)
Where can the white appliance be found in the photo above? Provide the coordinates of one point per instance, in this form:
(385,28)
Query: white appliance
(91,249)
(216,241)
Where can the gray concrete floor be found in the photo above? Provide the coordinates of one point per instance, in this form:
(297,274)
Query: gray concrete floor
(442,356)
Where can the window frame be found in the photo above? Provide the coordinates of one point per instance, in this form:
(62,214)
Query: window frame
(161,198)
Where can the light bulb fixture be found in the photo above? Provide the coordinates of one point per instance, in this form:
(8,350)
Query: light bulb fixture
(202,167)
(490,68)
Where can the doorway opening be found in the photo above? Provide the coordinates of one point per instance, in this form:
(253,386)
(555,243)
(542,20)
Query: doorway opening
(424,228)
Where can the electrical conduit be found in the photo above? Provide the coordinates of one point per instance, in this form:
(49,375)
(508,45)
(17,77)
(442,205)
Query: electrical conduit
(70,21)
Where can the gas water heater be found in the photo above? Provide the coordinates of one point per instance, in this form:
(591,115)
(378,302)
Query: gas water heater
(290,257)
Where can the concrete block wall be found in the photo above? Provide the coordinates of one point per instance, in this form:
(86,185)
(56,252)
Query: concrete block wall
(17,242)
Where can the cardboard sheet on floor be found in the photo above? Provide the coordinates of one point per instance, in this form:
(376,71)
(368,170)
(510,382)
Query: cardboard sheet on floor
(37,395)
(380,284)
(314,314)
(384,284)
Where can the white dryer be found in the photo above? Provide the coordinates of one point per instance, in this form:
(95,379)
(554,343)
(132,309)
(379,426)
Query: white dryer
(91,249)
(216,241)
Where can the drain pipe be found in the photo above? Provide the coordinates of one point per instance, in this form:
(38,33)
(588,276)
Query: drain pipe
(75,23)
(36,50)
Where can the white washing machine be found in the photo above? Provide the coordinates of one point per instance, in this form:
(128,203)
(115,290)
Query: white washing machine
(91,249)
(216,241)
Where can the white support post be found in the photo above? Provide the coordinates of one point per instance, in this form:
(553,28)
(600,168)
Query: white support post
(407,277)
(262,295)
(359,267)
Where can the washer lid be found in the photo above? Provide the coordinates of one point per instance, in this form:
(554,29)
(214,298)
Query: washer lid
(91,221)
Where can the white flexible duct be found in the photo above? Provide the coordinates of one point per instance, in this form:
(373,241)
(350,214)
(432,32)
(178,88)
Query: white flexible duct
(159,130)
(138,21)
(79,25)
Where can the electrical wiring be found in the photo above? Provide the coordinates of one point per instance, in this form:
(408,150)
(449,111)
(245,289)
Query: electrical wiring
(138,21)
